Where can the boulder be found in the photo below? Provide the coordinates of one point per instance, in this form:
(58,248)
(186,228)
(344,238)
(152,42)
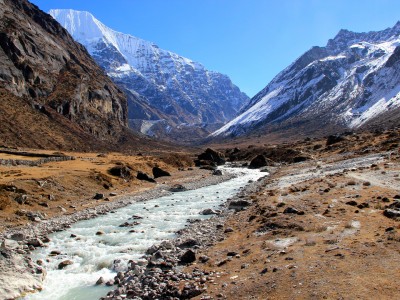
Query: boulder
(258,162)
(188,243)
(213,156)
(36,242)
(209,211)
(291,210)
(9,244)
(177,188)
(391,213)
(188,257)
(65,263)
(98,196)
(144,176)
(217,173)
(168,245)
(333,139)
(121,171)
(18,237)
(239,204)
(158,172)
(100,281)
(199,163)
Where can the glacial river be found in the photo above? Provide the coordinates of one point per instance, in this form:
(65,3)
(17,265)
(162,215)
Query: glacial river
(104,255)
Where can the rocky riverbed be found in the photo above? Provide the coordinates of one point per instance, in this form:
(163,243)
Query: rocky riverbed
(19,274)
(159,274)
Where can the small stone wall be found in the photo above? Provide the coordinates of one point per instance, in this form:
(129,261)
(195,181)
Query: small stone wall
(33,163)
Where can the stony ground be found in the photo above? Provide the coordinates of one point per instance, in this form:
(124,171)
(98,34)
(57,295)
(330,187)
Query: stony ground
(315,229)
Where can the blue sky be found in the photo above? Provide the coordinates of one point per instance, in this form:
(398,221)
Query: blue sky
(249,40)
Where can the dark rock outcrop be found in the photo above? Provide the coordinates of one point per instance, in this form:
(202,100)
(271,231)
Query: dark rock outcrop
(258,162)
(158,172)
(210,157)
(121,171)
(144,176)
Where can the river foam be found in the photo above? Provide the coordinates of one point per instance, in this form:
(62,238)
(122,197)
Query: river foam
(103,255)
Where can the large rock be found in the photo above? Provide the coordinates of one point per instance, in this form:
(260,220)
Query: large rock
(158,172)
(258,162)
(392,213)
(239,204)
(121,171)
(177,188)
(212,156)
(209,211)
(144,176)
(188,257)
(9,244)
(17,277)
(64,264)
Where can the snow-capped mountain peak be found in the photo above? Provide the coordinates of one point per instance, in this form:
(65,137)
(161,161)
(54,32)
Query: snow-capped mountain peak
(176,88)
(352,80)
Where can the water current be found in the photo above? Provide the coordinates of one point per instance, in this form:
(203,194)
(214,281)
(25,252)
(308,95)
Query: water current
(104,255)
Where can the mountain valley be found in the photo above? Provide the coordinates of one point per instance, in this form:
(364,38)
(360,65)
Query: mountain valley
(301,195)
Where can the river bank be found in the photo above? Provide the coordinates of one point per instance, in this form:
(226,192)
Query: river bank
(18,273)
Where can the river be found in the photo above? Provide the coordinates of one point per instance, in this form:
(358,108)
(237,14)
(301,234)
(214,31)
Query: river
(104,255)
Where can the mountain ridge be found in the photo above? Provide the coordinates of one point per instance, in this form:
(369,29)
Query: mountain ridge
(61,98)
(178,89)
(345,83)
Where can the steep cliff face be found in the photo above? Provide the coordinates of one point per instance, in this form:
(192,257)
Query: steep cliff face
(353,80)
(170,87)
(41,64)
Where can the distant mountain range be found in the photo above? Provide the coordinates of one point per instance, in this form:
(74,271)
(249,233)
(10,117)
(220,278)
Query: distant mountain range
(167,93)
(350,83)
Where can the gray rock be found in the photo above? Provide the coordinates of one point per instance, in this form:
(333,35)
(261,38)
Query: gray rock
(167,245)
(258,162)
(209,211)
(9,244)
(239,204)
(18,237)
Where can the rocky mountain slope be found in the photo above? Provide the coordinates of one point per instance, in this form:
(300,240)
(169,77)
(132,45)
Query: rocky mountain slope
(53,94)
(42,66)
(160,85)
(348,83)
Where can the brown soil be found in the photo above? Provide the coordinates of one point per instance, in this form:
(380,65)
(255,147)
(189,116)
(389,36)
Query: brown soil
(339,246)
(58,188)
